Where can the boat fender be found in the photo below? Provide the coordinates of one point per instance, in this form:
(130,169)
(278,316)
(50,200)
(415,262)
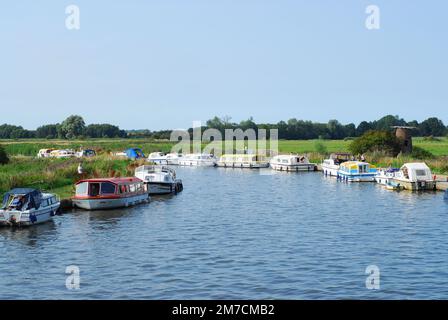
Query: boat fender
(34,219)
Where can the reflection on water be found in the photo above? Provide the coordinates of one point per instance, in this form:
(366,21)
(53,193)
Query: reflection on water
(235,233)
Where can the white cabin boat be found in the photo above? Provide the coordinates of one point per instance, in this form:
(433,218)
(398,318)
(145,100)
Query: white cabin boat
(159,179)
(330,166)
(291,163)
(415,176)
(385,176)
(157,158)
(25,207)
(173,158)
(60,154)
(44,153)
(252,161)
(197,159)
(109,193)
(357,171)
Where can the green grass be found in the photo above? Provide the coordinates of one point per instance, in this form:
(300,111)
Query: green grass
(30,147)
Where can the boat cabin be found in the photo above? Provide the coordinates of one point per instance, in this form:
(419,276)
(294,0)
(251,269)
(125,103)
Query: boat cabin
(109,187)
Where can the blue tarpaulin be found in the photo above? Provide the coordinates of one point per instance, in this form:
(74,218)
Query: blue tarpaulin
(134,153)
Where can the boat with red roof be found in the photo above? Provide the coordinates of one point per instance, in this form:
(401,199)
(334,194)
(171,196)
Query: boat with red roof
(109,193)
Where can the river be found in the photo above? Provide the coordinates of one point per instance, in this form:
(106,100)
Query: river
(239,234)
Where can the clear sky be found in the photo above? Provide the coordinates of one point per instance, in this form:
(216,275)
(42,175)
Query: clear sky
(161,64)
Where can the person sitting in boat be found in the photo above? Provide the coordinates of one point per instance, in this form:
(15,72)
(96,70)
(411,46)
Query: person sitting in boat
(17,203)
(363,158)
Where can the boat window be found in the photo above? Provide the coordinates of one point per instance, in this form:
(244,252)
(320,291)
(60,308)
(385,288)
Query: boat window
(132,188)
(284,161)
(82,188)
(94,189)
(420,172)
(107,188)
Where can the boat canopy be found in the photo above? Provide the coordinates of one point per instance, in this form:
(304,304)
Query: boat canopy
(32,197)
(416,171)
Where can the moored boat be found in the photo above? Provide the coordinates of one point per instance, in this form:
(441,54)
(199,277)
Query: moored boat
(252,161)
(415,176)
(157,158)
(385,176)
(63,153)
(292,163)
(173,158)
(159,179)
(357,171)
(44,153)
(331,165)
(109,193)
(197,159)
(26,206)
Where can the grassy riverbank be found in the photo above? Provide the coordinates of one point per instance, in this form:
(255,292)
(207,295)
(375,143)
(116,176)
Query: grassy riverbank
(59,175)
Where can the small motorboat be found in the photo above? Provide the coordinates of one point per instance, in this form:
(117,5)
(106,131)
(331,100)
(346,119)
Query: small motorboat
(384,176)
(109,193)
(390,185)
(26,206)
(159,179)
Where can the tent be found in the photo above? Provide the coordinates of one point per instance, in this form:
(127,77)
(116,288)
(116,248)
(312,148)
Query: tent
(134,153)
(33,197)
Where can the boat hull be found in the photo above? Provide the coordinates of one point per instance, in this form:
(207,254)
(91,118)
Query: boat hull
(110,203)
(416,185)
(367,177)
(196,163)
(293,168)
(28,218)
(155,188)
(242,165)
(331,171)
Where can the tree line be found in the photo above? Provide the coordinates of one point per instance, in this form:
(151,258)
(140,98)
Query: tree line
(71,128)
(293,129)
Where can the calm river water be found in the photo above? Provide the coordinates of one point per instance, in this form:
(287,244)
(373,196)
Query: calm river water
(238,234)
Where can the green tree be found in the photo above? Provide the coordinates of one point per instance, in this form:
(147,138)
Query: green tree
(4,159)
(376,141)
(49,131)
(432,127)
(72,127)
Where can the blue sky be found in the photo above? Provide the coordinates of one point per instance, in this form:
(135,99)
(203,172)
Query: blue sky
(161,64)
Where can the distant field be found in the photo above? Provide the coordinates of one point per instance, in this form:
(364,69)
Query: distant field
(30,147)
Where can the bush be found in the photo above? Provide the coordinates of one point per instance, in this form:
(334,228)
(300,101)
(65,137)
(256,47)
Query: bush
(319,147)
(420,153)
(373,141)
(4,159)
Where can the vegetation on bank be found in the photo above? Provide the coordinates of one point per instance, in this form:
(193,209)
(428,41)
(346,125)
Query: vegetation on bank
(59,175)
